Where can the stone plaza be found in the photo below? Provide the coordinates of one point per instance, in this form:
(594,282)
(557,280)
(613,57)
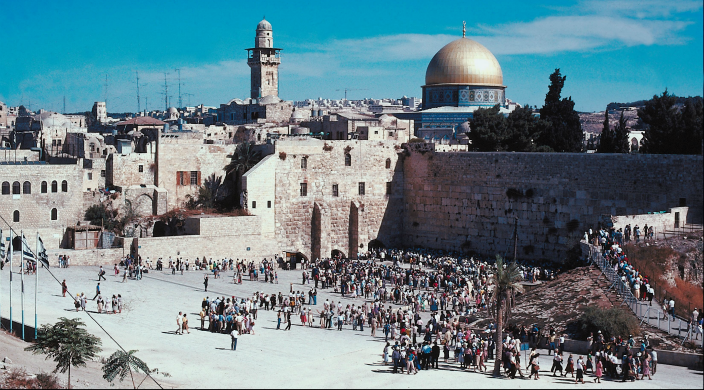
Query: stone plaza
(300,358)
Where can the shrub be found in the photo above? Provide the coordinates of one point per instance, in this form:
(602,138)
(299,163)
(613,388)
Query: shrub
(615,321)
(282,155)
(327,148)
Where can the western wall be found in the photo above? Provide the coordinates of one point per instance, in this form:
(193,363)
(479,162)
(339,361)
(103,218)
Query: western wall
(469,201)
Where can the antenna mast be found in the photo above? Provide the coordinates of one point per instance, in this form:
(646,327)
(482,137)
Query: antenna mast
(180,101)
(166,93)
(64,104)
(106,90)
(139,108)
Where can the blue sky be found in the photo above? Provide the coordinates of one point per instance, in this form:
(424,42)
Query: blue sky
(619,50)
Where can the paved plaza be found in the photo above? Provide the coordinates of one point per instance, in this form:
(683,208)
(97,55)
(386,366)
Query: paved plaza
(300,358)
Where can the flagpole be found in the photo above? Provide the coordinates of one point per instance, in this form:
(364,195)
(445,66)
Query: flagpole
(11,281)
(36,286)
(22,281)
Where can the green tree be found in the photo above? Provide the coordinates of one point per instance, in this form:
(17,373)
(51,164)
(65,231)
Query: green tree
(489,130)
(506,283)
(122,363)
(661,117)
(691,122)
(565,133)
(524,130)
(210,194)
(68,343)
(606,139)
(99,215)
(241,161)
(620,133)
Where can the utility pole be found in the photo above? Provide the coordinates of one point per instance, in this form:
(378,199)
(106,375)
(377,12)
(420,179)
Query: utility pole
(146,103)
(515,240)
(180,101)
(139,108)
(64,104)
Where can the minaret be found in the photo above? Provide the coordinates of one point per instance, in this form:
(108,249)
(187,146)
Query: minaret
(264,60)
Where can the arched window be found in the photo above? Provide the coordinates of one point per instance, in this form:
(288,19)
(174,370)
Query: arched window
(388,163)
(54,214)
(54,186)
(16,216)
(348,160)
(6,188)
(44,187)
(64,186)
(27,188)
(304,162)
(16,188)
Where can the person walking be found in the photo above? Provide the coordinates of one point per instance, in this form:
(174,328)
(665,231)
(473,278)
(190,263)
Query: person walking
(205,283)
(179,326)
(580,370)
(599,370)
(64,288)
(184,322)
(288,320)
(233,338)
(97,291)
(101,273)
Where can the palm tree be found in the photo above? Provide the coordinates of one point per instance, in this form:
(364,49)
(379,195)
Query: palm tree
(68,343)
(506,285)
(241,161)
(122,363)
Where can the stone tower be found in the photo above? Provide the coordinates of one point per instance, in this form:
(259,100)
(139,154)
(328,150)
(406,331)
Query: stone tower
(264,61)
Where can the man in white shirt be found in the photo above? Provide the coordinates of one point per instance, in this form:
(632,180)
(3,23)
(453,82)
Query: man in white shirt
(580,370)
(672,309)
(233,336)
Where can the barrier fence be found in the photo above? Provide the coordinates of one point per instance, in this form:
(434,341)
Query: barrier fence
(646,313)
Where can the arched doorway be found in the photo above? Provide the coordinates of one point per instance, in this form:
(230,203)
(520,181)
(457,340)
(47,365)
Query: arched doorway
(17,244)
(291,259)
(376,244)
(336,253)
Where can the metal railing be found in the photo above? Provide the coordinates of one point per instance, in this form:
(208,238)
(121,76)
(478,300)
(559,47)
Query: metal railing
(652,315)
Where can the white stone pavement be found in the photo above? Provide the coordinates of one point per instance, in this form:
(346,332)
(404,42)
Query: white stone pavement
(300,358)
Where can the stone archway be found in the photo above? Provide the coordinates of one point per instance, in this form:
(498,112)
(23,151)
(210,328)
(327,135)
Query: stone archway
(336,252)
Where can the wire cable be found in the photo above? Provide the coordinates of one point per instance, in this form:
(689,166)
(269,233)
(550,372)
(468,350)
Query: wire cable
(12,231)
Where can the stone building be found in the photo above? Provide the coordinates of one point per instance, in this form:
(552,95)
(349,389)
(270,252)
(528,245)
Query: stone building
(37,197)
(183,163)
(3,115)
(320,197)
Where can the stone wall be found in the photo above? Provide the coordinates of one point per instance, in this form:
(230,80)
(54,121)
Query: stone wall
(470,200)
(220,237)
(35,209)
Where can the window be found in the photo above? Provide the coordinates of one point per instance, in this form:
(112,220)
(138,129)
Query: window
(304,189)
(44,190)
(5,188)
(683,202)
(90,175)
(388,188)
(304,163)
(54,186)
(361,188)
(16,216)
(254,204)
(102,173)
(268,204)
(27,188)
(348,160)
(335,190)
(194,178)
(388,163)
(16,188)
(64,186)
(54,214)
(141,168)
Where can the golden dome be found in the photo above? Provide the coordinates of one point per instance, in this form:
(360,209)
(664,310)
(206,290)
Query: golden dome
(464,61)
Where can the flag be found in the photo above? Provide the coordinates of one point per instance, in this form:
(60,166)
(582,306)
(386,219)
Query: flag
(27,253)
(42,256)
(2,247)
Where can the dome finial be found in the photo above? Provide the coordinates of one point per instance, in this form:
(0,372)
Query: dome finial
(464,29)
